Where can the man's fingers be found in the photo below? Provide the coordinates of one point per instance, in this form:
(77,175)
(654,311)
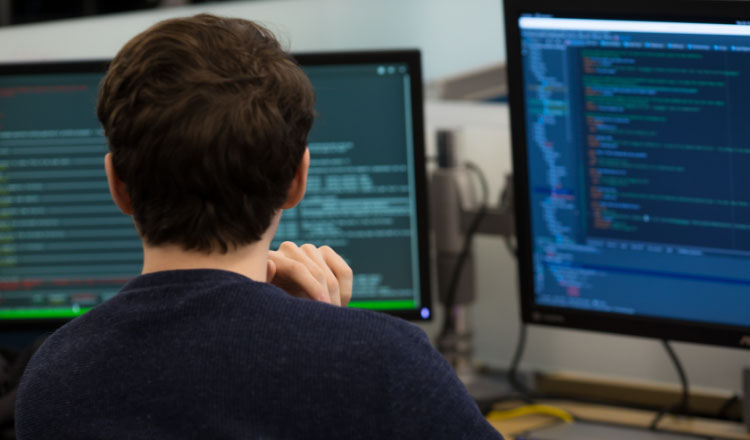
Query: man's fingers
(341,270)
(317,273)
(270,269)
(331,282)
(295,278)
(292,251)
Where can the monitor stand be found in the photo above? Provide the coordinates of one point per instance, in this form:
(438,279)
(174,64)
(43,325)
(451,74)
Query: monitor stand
(594,431)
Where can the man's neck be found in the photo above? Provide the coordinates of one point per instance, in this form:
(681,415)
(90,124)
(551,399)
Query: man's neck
(250,261)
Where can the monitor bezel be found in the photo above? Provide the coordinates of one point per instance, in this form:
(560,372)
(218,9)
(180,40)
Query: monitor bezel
(411,57)
(659,10)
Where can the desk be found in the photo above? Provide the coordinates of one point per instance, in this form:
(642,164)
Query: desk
(619,416)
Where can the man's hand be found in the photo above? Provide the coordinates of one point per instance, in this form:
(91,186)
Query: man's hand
(311,272)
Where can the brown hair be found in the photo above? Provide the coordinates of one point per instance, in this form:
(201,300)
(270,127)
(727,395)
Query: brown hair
(207,121)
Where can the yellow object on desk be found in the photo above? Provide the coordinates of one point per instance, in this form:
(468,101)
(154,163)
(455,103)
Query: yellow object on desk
(512,422)
(496,416)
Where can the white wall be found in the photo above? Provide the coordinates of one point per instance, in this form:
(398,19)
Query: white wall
(454,35)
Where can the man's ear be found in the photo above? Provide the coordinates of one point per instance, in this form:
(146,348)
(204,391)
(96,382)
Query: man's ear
(299,184)
(117,187)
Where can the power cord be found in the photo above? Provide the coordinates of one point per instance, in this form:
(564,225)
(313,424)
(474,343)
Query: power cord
(682,406)
(515,382)
(723,412)
(506,204)
(450,300)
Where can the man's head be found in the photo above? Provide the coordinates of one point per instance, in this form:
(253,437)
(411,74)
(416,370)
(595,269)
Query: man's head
(207,121)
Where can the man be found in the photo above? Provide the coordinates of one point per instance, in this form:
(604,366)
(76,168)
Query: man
(207,120)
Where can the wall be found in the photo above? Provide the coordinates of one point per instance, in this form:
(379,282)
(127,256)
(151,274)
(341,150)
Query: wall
(454,36)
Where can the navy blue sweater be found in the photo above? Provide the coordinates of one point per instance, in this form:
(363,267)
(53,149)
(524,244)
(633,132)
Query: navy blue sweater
(214,355)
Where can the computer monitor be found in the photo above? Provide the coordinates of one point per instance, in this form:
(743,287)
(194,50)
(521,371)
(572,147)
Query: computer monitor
(631,154)
(65,247)
(366,189)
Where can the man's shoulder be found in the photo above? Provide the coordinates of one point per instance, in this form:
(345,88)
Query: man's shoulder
(218,313)
(366,362)
(228,300)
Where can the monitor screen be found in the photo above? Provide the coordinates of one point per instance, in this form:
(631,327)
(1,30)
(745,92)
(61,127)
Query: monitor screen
(366,186)
(65,247)
(631,158)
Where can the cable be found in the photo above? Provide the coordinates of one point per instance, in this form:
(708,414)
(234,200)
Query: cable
(684,402)
(682,406)
(723,412)
(450,300)
(515,382)
(506,205)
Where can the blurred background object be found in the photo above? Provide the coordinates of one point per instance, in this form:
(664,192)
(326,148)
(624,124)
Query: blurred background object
(32,11)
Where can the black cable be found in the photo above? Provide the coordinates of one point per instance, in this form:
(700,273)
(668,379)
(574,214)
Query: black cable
(682,406)
(654,423)
(450,300)
(506,205)
(723,412)
(515,382)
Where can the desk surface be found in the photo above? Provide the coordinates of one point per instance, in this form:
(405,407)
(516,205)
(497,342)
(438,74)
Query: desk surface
(620,416)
